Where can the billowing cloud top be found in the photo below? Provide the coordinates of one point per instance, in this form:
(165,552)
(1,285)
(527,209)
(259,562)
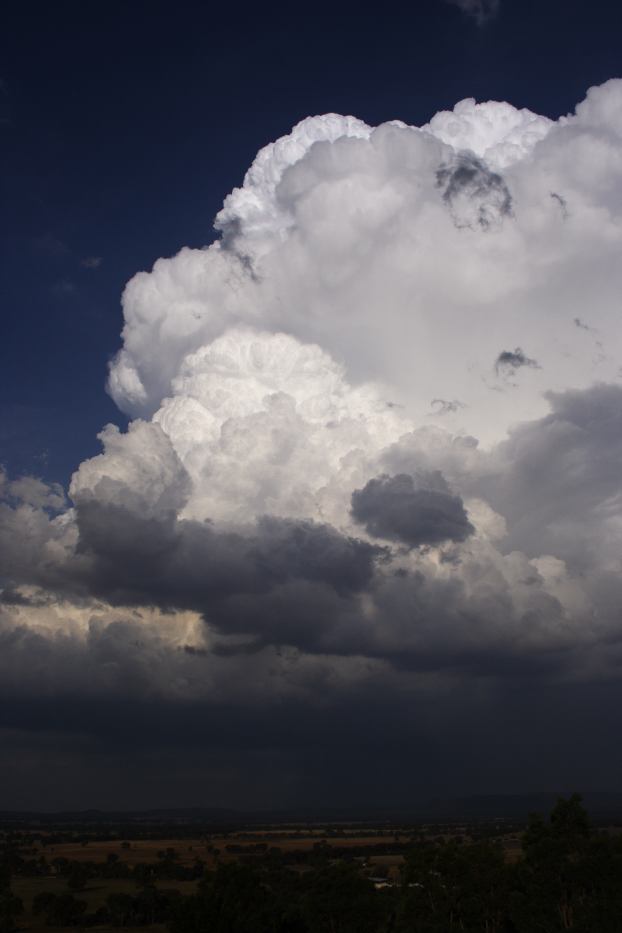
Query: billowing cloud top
(486,226)
(376,430)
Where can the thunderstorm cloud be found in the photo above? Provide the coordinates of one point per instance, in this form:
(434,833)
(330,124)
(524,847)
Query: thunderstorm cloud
(283,544)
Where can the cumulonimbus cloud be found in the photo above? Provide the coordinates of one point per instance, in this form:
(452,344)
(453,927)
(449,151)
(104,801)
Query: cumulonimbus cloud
(282,493)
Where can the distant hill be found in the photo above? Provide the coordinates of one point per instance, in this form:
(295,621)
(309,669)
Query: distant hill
(519,806)
(601,806)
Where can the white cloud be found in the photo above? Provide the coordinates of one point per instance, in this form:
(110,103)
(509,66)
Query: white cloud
(347,241)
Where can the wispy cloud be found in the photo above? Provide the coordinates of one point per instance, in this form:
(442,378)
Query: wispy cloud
(92,262)
(482,11)
(51,245)
(64,288)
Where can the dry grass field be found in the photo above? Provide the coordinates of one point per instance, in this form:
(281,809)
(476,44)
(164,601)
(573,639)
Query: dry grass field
(141,850)
(204,848)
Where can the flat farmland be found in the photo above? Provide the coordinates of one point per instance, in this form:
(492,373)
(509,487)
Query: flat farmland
(303,842)
(139,850)
(225,846)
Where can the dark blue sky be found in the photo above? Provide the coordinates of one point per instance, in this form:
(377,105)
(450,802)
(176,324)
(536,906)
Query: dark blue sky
(123,126)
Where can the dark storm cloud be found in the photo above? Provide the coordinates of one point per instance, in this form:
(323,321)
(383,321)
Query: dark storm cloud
(312,633)
(191,564)
(445,665)
(280,580)
(280,583)
(394,507)
(476,196)
(374,745)
(289,582)
(284,582)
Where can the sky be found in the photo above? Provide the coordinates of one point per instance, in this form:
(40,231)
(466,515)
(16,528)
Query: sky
(310,403)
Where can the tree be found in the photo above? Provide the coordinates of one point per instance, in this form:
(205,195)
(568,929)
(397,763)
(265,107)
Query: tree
(78,876)
(10,908)
(10,905)
(120,909)
(61,910)
(454,887)
(570,877)
(337,899)
(233,899)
